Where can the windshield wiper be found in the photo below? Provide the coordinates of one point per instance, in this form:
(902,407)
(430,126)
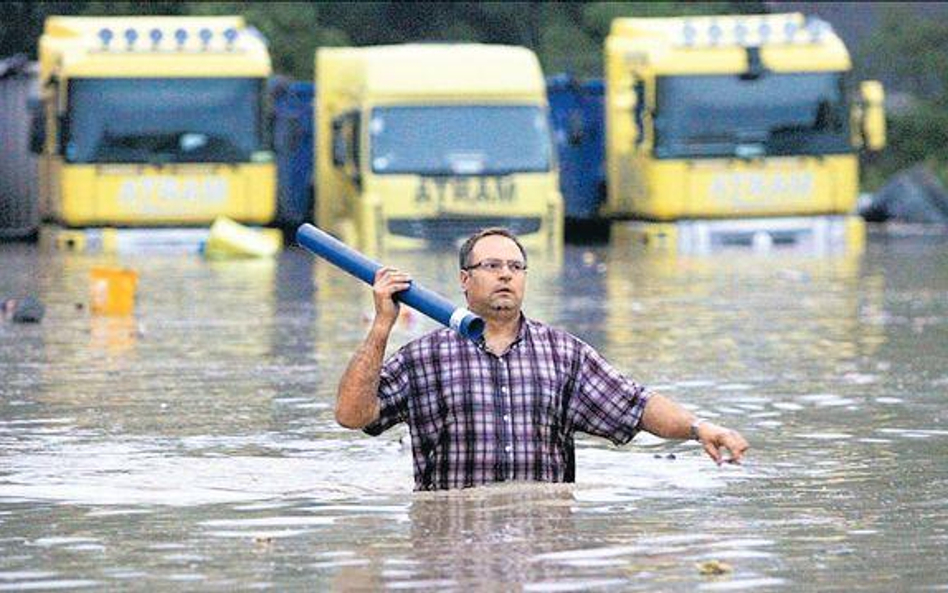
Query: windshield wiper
(169,147)
(744,144)
(749,151)
(789,130)
(790,137)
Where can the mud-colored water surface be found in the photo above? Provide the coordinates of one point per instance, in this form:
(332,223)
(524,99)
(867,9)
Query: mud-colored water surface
(192,445)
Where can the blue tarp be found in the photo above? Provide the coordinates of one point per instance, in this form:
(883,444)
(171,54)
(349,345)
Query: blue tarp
(293,145)
(576,114)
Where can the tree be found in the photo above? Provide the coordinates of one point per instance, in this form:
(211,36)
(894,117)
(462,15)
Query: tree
(567,36)
(21,24)
(911,54)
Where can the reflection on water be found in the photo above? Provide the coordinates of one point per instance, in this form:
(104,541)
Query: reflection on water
(193,446)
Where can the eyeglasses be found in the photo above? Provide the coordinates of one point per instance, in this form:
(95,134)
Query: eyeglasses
(495,266)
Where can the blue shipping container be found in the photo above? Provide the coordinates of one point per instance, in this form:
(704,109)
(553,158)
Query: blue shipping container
(576,115)
(293,145)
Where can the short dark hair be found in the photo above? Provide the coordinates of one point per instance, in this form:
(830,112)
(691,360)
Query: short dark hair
(471,241)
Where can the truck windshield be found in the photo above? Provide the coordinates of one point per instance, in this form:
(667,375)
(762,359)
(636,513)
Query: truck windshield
(163,120)
(773,114)
(460,140)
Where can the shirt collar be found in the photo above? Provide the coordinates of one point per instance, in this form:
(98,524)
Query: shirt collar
(521,334)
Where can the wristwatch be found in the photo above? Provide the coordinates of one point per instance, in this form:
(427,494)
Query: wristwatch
(694,428)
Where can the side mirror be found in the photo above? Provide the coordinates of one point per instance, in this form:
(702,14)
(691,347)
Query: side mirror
(639,111)
(340,147)
(62,136)
(629,107)
(872,120)
(37,125)
(345,145)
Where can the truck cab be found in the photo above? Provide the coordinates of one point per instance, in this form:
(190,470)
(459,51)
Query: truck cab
(153,121)
(734,117)
(425,144)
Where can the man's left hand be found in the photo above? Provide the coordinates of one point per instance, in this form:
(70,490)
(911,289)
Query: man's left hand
(716,438)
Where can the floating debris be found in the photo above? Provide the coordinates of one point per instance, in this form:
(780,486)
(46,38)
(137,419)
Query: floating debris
(229,239)
(713,568)
(25,310)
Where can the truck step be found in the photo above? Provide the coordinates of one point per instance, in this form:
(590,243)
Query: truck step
(814,234)
(133,240)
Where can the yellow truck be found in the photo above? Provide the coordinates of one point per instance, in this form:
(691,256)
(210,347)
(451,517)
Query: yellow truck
(422,144)
(153,121)
(735,117)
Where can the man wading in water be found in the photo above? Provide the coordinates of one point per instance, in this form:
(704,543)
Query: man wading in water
(504,408)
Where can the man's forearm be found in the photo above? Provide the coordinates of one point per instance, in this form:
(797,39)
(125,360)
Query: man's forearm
(357,401)
(667,419)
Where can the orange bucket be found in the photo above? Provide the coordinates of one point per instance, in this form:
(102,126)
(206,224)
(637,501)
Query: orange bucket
(113,291)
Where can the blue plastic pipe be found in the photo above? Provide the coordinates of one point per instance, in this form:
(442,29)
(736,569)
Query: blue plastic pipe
(430,303)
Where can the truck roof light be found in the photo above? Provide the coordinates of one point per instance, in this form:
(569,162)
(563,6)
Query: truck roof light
(180,36)
(763,31)
(689,33)
(714,33)
(106,36)
(816,28)
(205,36)
(749,31)
(740,33)
(131,35)
(790,30)
(155,35)
(230,35)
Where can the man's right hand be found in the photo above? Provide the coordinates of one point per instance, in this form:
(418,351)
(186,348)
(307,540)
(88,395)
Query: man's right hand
(357,401)
(388,281)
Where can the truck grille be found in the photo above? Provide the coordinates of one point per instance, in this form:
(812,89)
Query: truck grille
(451,230)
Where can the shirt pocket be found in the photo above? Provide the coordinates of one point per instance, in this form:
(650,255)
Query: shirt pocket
(464,402)
(547,405)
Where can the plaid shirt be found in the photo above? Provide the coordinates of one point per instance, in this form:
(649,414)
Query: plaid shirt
(477,418)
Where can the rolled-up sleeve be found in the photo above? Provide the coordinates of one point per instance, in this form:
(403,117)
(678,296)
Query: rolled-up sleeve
(605,402)
(394,388)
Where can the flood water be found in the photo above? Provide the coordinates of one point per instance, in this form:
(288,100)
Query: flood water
(192,445)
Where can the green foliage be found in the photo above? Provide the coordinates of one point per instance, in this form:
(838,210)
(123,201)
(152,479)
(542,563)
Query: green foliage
(567,36)
(911,54)
(564,48)
(152,8)
(919,135)
(21,24)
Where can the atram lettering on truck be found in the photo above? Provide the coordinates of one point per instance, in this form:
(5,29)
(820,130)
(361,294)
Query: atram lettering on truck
(747,190)
(448,192)
(168,194)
